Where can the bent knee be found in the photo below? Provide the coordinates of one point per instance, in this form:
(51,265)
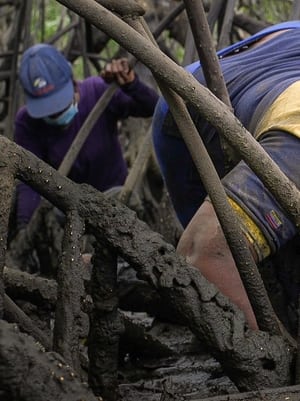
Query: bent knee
(203,236)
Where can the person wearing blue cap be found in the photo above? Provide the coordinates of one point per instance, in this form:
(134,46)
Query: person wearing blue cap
(262,75)
(56,108)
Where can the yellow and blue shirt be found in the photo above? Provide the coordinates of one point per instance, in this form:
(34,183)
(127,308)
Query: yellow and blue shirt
(263,83)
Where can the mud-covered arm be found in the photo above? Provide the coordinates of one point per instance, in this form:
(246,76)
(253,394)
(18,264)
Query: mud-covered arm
(134,97)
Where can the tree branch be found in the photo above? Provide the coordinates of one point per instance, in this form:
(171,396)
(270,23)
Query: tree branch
(211,316)
(212,109)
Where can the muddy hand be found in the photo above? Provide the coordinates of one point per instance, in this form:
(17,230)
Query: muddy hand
(119,70)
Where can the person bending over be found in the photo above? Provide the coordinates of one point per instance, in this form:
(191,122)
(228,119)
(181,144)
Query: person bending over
(56,107)
(262,75)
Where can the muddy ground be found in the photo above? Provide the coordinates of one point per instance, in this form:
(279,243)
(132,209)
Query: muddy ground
(158,356)
(159,359)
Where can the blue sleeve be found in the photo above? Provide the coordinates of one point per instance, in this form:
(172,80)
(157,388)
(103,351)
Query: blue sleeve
(158,120)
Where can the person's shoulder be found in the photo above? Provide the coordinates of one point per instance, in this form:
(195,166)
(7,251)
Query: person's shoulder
(92,81)
(23,119)
(22,114)
(91,87)
(24,122)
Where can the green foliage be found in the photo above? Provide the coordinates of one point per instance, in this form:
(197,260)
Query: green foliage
(46,17)
(273,11)
(49,17)
(174,46)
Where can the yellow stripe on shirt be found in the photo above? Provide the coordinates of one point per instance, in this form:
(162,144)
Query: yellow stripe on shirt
(283,114)
(252,232)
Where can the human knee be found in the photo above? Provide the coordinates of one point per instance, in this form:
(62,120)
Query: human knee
(203,237)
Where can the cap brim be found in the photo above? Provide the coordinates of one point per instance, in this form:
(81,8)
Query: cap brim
(40,107)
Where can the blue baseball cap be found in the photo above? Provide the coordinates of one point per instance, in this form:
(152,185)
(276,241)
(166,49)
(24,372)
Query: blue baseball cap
(46,77)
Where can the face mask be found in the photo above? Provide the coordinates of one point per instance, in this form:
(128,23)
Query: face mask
(65,118)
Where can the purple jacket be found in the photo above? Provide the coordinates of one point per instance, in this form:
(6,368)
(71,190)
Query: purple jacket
(100,162)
